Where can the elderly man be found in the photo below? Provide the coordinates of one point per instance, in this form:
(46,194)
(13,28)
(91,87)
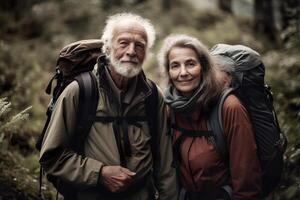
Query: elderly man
(109,170)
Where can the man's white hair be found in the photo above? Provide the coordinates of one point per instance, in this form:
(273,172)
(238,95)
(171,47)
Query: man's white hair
(113,21)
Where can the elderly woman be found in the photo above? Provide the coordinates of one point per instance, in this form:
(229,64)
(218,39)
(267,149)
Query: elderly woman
(191,95)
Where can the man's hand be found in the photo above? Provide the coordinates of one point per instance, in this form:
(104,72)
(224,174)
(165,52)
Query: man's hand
(116,178)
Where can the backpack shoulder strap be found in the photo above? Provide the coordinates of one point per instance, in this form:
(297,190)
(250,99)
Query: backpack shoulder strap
(87,106)
(152,113)
(215,122)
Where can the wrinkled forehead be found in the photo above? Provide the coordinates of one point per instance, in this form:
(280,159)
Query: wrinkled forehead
(127,28)
(182,52)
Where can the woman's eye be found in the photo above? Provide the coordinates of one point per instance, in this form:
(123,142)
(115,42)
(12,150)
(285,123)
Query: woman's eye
(174,66)
(191,64)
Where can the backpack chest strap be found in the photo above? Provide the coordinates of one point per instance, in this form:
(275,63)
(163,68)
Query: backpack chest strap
(132,120)
(120,122)
(192,133)
(184,134)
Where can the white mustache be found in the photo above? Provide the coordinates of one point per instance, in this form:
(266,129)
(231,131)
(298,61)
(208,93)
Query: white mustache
(134,60)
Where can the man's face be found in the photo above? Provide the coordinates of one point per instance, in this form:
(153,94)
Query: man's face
(128,49)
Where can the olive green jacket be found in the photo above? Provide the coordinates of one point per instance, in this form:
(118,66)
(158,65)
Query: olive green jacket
(100,146)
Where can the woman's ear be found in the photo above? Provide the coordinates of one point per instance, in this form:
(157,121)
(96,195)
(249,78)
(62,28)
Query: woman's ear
(227,80)
(224,78)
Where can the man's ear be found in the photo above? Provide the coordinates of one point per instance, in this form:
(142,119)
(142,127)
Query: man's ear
(108,49)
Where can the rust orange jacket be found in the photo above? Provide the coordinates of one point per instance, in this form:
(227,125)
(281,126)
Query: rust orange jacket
(202,168)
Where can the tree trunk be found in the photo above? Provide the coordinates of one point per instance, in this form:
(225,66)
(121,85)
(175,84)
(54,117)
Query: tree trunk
(289,10)
(139,1)
(264,19)
(225,5)
(166,5)
(108,4)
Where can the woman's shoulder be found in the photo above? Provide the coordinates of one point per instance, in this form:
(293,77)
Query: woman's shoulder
(234,114)
(232,102)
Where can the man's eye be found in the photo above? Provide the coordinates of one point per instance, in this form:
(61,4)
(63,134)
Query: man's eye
(123,44)
(140,46)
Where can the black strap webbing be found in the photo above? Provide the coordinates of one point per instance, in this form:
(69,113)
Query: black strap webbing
(152,115)
(122,122)
(184,134)
(87,107)
(192,133)
(176,151)
(133,120)
(215,122)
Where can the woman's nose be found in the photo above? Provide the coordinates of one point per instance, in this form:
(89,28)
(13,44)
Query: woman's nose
(183,71)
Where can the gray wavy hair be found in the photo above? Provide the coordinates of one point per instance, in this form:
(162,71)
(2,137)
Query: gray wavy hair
(182,40)
(113,21)
(224,64)
(211,89)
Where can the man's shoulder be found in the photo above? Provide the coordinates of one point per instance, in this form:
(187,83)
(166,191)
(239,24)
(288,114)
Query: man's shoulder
(71,90)
(155,89)
(155,86)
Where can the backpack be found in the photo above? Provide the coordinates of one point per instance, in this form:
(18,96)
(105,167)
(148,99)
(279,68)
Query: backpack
(75,63)
(249,86)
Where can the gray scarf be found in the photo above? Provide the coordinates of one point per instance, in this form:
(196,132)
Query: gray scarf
(179,102)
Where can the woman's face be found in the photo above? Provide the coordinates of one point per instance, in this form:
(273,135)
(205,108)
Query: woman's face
(184,69)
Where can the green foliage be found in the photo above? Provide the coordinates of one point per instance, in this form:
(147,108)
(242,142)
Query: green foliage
(282,73)
(19,171)
(9,125)
(12,163)
(283,68)
(20,174)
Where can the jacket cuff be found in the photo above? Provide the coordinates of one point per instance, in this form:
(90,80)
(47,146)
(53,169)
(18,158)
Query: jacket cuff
(99,180)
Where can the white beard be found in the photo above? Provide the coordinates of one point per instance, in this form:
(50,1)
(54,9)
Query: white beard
(125,70)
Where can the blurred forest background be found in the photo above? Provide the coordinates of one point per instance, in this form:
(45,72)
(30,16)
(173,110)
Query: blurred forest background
(33,31)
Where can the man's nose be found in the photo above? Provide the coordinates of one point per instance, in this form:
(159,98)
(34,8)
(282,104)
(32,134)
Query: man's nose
(131,50)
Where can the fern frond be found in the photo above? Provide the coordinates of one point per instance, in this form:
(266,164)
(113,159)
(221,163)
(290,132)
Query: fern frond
(5,107)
